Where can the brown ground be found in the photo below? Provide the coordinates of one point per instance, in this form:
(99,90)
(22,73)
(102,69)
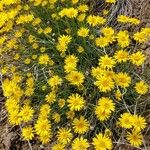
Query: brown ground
(9,136)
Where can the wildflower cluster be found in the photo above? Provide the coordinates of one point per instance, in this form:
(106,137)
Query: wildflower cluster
(68,76)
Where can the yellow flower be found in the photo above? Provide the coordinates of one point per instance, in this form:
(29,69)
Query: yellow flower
(121,56)
(104,108)
(123,19)
(102,42)
(36,21)
(55,81)
(83,8)
(64,39)
(45,138)
(70,67)
(80,144)
(64,135)
(106,62)
(95,20)
(69,12)
(118,95)
(71,59)
(106,104)
(80,125)
(74,1)
(70,114)
(80,49)
(83,32)
(135,138)
(51,97)
(44,110)
(15,118)
(75,78)
(27,61)
(56,117)
(101,142)
(63,42)
(110,1)
(107,31)
(104,83)
(81,17)
(97,72)
(26,113)
(47,30)
(44,59)
(137,58)
(140,37)
(123,39)
(141,87)
(122,79)
(27,133)
(42,127)
(61,103)
(58,146)
(102,114)
(76,102)
(138,122)
(125,120)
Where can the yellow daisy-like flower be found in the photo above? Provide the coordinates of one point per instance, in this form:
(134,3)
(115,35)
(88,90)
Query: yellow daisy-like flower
(56,117)
(83,8)
(106,62)
(81,17)
(47,30)
(135,138)
(71,59)
(137,58)
(141,87)
(118,95)
(138,122)
(95,20)
(64,135)
(101,142)
(96,72)
(61,103)
(80,144)
(64,39)
(140,37)
(45,138)
(104,83)
(27,133)
(69,12)
(51,97)
(58,146)
(121,56)
(102,114)
(76,102)
(123,39)
(80,125)
(55,81)
(122,79)
(104,108)
(44,59)
(108,31)
(70,114)
(26,113)
(42,127)
(102,42)
(110,1)
(15,118)
(83,32)
(106,103)
(75,78)
(125,120)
